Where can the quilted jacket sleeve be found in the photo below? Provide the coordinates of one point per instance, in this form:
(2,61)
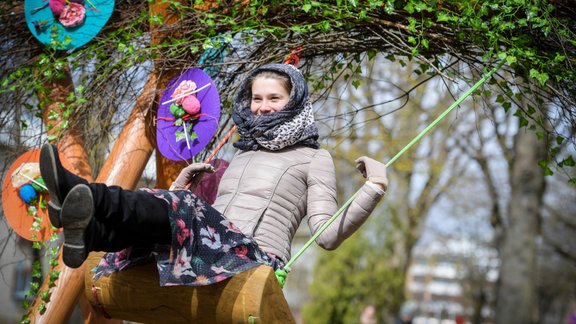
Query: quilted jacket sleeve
(322,203)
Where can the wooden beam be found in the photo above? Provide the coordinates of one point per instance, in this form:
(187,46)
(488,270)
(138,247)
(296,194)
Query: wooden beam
(135,294)
(66,291)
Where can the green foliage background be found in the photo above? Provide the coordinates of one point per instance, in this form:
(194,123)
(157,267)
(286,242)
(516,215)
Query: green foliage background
(536,38)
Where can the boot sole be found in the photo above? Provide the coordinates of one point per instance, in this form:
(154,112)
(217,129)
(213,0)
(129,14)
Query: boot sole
(77,212)
(49,173)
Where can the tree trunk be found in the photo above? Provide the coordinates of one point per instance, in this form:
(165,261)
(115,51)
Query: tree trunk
(516,300)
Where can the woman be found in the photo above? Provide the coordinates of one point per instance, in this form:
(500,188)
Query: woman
(278,176)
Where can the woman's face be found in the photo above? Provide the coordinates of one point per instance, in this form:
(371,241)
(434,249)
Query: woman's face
(268,95)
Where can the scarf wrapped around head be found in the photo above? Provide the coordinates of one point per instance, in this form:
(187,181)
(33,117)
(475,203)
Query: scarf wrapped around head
(276,130)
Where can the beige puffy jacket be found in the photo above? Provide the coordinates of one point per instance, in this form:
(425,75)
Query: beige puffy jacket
(267,194)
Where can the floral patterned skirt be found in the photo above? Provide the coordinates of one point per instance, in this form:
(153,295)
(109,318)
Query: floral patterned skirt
(206,247)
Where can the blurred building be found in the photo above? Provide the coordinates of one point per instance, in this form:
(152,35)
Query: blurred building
(451,282)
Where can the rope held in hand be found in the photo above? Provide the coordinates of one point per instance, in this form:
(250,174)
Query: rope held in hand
(281,274)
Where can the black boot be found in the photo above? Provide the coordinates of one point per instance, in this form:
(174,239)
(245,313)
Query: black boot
(96,217)
(77,214)
(59,181)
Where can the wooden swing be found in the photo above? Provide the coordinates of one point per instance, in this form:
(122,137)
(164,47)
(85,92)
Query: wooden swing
(253,296)
(134,294)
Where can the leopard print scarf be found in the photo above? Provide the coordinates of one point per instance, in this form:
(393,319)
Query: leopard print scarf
(276,130)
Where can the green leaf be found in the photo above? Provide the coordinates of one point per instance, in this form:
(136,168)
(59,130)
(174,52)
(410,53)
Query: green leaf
(54,262)
(306,7)
(389,8)
(67,40)
(325,26)
(540,76)
(371,54)
(544,165)
(54,275)
(45,295)
(443,16)
(34,286)
(569,161)
(356,83)
(42,308)
(424,42)
(180,136)
(409,8)
(559,57)
(422,6)
(25,319)
(194,49)
(412,24)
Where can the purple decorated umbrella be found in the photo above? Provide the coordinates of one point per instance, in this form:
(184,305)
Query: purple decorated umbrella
(188,115)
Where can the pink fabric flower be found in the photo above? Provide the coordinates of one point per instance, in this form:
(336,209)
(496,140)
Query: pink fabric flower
(72,15)
(191,104)
(57,6)
(185,86)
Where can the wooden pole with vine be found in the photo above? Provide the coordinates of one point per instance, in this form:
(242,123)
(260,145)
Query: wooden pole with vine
(56,288)
(124,167)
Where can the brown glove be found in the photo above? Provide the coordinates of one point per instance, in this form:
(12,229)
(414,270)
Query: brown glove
(372,170)
(191,174)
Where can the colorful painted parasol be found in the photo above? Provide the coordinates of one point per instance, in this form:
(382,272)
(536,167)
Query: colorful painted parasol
(188,115)
(24,198)
(66,24)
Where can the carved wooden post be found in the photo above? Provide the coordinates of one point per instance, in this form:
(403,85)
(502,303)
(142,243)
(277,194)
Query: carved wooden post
(71,144)
(124,167)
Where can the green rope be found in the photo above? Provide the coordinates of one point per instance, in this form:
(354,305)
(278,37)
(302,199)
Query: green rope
(281,274)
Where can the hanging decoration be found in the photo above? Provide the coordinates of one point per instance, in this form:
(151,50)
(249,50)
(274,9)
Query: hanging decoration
(187,116)
(66,24)
(25,198)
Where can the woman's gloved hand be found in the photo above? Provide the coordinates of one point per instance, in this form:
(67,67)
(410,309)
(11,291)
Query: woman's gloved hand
(191,174)
(373,171)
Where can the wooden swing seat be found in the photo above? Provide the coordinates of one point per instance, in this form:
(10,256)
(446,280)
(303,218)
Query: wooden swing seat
(134,294)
